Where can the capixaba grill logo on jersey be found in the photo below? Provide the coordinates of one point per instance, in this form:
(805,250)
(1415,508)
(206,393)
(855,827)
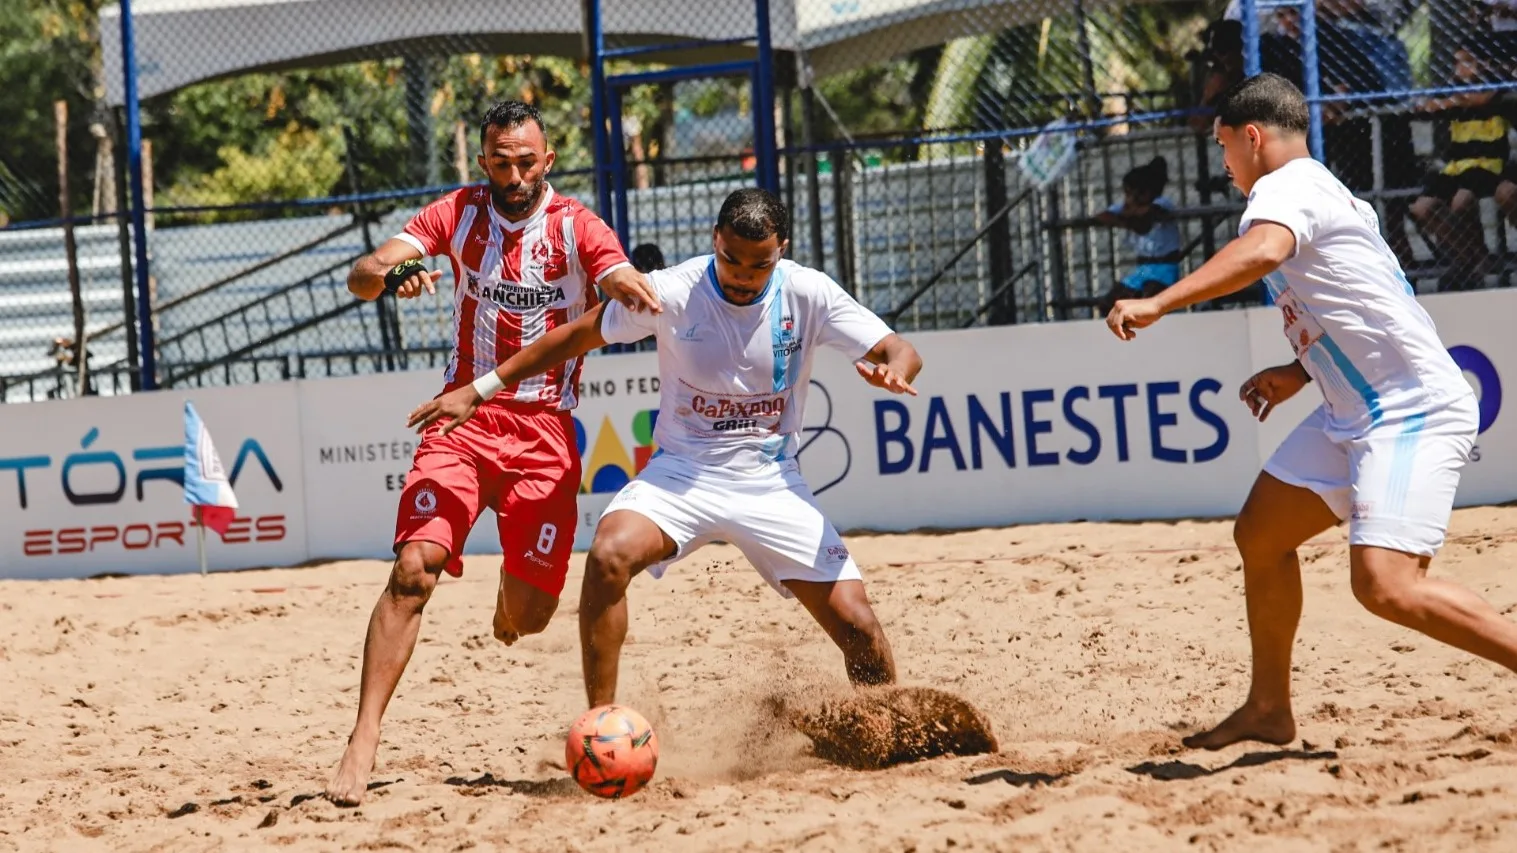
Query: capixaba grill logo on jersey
(621,450)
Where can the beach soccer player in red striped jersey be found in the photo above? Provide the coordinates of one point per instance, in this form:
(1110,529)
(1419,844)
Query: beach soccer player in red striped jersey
(525,261)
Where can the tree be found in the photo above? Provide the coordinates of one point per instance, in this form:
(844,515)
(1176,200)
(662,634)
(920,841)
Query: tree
(48,52)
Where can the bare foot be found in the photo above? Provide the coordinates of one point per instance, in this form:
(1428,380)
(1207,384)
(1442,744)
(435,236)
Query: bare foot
(504,630)
(1247,723)
(351,780)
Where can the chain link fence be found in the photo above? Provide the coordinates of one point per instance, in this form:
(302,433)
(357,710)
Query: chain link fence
(1415,104)
(910,140)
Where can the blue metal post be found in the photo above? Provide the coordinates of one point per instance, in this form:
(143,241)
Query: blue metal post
(1249,11)
(596,42)
(1311,76)
(618,166)
(147,367)
(764,148)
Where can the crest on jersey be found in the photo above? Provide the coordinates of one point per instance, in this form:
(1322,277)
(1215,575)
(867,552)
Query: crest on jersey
(541,252)
(426,502)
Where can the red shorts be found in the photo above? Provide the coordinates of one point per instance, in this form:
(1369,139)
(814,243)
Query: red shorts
(522,462)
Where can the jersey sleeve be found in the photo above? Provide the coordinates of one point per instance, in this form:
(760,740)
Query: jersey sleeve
(600,252)
(847,326)
(621,325)
(431,229)
(1277,202)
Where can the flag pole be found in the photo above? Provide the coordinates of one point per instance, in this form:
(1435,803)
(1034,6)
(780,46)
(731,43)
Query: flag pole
(200,531)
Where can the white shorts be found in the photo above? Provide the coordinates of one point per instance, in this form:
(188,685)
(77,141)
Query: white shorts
(1395,484)
(771,517)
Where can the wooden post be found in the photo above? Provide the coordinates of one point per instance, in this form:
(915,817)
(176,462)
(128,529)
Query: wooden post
(70,248)
(461,151)
(147,182)
(105,170)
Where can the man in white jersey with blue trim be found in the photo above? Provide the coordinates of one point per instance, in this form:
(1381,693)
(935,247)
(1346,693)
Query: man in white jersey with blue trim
(1398,419)
(735,342)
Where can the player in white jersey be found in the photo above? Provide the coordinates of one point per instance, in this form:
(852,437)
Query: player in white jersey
(1397,421)
(735,341)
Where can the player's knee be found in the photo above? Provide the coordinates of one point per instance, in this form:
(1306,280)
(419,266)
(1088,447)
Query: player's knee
(1464,202)
(414,575)
(1252,535)
(1422,209)
(1382,593)
(608,570)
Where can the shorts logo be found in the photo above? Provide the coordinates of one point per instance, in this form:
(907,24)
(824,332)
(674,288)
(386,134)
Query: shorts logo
(536,559)
(1362,510)
(837,553)
(426,503)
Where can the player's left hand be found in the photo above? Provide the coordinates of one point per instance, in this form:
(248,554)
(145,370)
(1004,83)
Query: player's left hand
(456,406)
(632,289)
(1268,388)
(884,376)
(1129,315)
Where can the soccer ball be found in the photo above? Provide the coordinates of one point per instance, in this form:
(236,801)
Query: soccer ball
(611,752)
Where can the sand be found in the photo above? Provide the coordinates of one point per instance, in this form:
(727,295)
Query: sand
(175,713)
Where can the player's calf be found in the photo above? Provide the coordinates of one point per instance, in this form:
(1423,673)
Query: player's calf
(842,609)
(521,609)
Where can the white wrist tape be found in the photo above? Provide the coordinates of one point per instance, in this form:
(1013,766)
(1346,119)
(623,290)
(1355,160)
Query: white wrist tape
(488,385)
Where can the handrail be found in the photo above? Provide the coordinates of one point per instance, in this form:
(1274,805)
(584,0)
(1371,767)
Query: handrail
(937,276)
(998,293)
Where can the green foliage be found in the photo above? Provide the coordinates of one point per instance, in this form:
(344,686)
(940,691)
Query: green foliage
(259,137)
(299,163)
(48,52)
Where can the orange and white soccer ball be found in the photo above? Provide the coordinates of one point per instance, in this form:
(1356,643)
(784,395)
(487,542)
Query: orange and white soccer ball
(612,751)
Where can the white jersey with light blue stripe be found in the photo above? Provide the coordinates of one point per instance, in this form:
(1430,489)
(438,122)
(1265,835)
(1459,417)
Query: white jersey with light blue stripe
(733,378)
(1350,314)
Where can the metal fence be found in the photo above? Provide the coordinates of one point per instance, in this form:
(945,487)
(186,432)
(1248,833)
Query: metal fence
(279,142)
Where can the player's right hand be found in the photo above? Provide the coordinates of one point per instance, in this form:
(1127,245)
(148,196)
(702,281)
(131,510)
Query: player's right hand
(1270,387)
(884,376)
(409,278)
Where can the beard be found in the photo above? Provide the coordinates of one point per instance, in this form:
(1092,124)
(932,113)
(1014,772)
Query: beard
(530,194)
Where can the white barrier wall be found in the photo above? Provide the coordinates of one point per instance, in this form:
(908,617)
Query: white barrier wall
(1032,423)
(96,485)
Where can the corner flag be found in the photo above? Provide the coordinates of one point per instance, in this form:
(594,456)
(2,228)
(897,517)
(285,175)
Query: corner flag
(205,481)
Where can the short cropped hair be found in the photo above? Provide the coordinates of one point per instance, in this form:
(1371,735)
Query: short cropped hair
(507,115)
(1264,99)
(755,214)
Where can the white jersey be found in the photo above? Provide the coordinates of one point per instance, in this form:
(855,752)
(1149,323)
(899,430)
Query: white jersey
(1350,314)
(733,378)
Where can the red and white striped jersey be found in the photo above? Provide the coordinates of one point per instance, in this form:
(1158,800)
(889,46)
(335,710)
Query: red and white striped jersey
(515,281)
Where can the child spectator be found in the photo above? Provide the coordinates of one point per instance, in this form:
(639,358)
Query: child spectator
(1153,236)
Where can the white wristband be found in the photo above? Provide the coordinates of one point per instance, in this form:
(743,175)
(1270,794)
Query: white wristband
(488,385)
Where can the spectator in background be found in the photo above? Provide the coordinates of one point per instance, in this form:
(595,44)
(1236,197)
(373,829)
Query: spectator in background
(1476,165)
(1153,236)
(1359,52)
(647,257)
(1222,53)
